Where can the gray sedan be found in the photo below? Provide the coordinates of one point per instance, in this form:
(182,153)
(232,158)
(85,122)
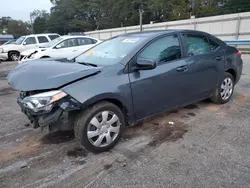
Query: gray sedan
(125,80)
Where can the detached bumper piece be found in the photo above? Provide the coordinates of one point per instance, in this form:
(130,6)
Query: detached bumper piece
(61,117)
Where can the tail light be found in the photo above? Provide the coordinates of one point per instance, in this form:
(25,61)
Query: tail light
(239,53)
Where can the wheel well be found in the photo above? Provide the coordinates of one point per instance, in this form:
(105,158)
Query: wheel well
(120,105)
(232,72)
(13,51)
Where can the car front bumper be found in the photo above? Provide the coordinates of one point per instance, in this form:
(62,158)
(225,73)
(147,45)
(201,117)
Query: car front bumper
(61,117)
(3,56)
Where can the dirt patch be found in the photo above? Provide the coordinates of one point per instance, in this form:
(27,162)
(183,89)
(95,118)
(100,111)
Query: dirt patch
(241,99)
(168,133)
(213,107)
(107,166)
(81,162)
(6,91)
(77,152)
(191,107)
(58,137)
(173,111)
(160,129)
(191,114)
(246,85)
(3,75)
(23,149)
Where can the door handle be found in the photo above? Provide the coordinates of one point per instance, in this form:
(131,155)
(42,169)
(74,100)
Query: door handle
(183,68)
(219,58)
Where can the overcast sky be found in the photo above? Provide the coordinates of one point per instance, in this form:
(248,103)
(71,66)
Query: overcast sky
(20,9)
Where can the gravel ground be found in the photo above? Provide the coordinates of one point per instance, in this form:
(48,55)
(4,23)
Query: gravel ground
(208,146)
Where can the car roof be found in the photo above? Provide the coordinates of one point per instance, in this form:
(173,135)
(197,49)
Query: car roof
(42,34)
(154,33)
(76,36)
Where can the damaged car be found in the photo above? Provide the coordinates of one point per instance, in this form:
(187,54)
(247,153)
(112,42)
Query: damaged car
(124,80)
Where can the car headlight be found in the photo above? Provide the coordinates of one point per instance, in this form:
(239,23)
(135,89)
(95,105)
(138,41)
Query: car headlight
(1,50)
(43,101)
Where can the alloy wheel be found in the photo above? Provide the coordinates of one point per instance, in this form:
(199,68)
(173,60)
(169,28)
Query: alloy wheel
(226,88)
(14,57)
(103,129)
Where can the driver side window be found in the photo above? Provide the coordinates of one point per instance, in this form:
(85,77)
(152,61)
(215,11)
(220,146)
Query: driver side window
(163,50)
(30,40)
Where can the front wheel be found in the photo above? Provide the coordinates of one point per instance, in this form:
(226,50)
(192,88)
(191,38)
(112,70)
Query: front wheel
(225,90)
(99,127)
(14,56)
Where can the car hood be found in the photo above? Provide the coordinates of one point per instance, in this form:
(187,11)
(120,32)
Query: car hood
(43,75)
(10,47)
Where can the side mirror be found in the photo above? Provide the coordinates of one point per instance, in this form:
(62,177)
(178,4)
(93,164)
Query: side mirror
(58,46)
(24,43)
(145,64)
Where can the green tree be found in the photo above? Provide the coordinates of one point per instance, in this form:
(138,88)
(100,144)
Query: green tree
(18,28)
(86,15)
(40,21)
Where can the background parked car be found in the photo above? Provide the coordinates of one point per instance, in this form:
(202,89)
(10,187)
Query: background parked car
(5,38)
(9,42)
(62,47)
(12,51)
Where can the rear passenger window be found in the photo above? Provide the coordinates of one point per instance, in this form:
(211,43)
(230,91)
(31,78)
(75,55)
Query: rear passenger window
(42,39)
(163,50)
(196,44)
(84,41)
(52,37)
(213,45)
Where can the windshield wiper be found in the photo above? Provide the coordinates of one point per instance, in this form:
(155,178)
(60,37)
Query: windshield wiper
(88,64)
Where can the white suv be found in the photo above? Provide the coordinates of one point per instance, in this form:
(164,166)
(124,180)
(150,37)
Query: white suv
(13,51)
(61,47)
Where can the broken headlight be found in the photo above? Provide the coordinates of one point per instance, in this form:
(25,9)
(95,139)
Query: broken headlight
(43,101)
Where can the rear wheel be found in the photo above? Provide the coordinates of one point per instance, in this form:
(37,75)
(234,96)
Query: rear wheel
(99,127)
(225,90)
(14,56)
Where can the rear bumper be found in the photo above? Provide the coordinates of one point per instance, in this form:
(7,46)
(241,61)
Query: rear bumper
(61,117)
(3,56)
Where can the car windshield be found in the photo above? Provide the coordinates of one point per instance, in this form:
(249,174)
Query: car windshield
(52,43)
(20,40)
(110,52)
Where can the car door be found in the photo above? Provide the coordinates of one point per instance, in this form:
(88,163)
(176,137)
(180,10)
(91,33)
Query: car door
(206,63)
(29,43)
(164,87)
(65,48)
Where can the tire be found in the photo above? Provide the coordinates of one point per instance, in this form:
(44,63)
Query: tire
(218,97)
(13,56)
(83,125)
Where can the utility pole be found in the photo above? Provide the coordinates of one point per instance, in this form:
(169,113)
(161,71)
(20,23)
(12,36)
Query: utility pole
(141,13)
(31,23)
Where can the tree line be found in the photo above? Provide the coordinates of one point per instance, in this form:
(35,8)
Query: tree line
(15,27)
(88,15)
